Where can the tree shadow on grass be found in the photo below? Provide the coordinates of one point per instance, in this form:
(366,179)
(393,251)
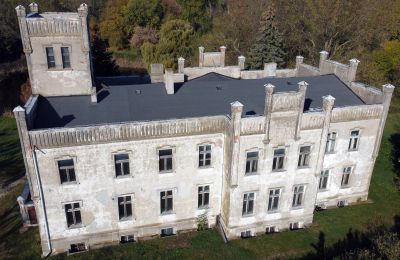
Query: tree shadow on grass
(356,244)
(395,140)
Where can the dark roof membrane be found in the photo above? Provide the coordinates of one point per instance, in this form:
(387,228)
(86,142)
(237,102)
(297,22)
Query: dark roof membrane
(208,95)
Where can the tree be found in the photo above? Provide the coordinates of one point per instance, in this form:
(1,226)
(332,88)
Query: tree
(195,12)
(103,62)
(142,35)
(112,24)
(175,41)
(268,46)
(142,13)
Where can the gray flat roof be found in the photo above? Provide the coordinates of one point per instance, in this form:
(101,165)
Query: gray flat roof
(208,95)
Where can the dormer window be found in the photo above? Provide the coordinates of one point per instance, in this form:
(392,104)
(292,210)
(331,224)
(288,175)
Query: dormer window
(51,61)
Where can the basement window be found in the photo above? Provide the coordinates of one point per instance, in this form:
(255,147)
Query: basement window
(127,239)
(294,226)
(246,234)
(75,248)
(166,232)
(270,230)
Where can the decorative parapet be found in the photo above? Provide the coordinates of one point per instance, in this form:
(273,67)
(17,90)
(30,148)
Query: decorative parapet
(54,26)
(58,137)
(252,125)
(368,94)
(356,113)
(285,101)
(312,120)
(339,69)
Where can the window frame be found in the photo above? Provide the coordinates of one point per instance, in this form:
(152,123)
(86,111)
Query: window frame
(304,157)
(274,196)
(63,61)
(173,233)
(67,158)
(166,157)
(329,148)
(354,139)
(202,155)
(324,179)
(247,202)
(275,159)
(121,162)
(73,210)
(49,61)
(347,185)
(202,194)
(166,206)
(253,160)
(125,217)
(295,196)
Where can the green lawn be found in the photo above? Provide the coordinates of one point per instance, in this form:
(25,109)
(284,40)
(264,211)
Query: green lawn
(334,223)
(11,163)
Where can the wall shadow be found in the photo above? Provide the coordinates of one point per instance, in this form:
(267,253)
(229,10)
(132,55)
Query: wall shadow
(395,140)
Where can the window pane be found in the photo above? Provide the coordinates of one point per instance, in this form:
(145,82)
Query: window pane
(70,219)
(64,163)
(122,156)
(71,174)
(78,217)
(169,164)
(165,152)
(121,210)
(50,57)
(199,200)
(254,168)
(65,57)
(279,152)
(161,165)
(206,199)
(247,166)
(118,169)
(63,176)
(305,149)
(126,168)
(252,155)
(169,206)
(129,210)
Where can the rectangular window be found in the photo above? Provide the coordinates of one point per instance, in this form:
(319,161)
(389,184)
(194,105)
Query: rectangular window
(304,156)
(323,180)
(165,232)
(294,226)
(121,164)
(298,194)
(79,247)
(245,234)
(273,201)
(330,143)
(270,230)
(51,62)
(251,162)
(166,201)
(279,158)
(248,204)
(354,140)
(204,155)
(73,214)
(125,207)
(66,170)
(127,239)
(165,160)
(346,176)
(65,57)
(203,197)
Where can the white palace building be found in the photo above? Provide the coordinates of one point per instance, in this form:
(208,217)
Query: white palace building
(112,160)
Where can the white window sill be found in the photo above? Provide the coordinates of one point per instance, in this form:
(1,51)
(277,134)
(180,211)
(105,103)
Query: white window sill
(278,170)
(297,207)
(345,187)
(75,226)
(328,153)
(303,167)
(169,213)
(127,219)
(248,215)
(352,150)
(69,184)
(322,190)
(271,212)
(205,167)
(251,174)
(166,172)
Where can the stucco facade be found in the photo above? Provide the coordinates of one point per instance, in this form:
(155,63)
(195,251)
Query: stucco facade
(264,172)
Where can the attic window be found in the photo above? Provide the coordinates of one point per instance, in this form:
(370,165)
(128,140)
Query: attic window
(138,92)
(218,87)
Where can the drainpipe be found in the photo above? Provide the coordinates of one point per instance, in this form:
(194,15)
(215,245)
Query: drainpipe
(39,183)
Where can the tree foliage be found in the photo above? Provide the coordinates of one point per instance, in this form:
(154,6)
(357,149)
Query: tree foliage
(268,46)
(142,13)
(175,40)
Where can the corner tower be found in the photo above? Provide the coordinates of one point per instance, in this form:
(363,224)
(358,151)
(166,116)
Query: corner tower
(57,50)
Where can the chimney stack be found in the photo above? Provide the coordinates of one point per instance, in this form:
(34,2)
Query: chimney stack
(169,81)
(34,7)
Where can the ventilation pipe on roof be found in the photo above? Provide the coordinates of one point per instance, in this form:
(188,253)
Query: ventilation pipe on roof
(169,81)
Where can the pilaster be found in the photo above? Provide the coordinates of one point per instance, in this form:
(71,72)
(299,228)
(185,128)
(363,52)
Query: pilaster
(302,92)
(222,57)
(269,91)
(323,56)
(201,56)
(236,117)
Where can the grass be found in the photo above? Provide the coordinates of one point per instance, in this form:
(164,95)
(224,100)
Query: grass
(130,54)
(334,223)
(11,162)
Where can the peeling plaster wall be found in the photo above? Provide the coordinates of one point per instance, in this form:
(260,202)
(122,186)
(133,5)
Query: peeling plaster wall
(361,160)
(98,189)
(59,81)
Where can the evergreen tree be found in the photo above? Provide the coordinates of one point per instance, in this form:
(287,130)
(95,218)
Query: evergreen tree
(268,46)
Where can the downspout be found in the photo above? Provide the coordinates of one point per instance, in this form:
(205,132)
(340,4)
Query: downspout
(39,184)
